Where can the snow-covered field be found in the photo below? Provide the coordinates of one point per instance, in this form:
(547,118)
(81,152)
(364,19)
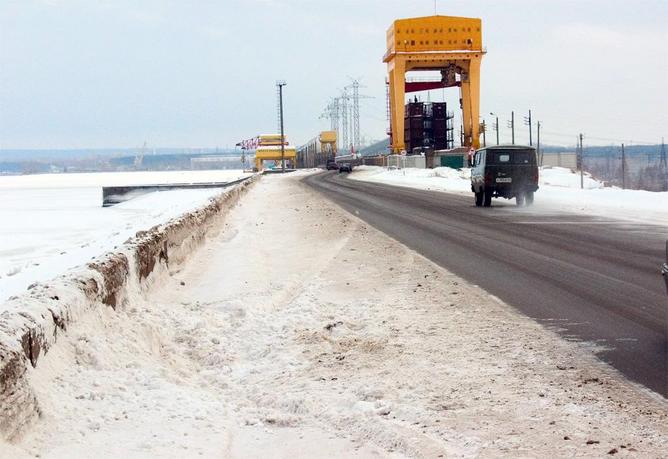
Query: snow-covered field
(559,192)
(299,331)
(52,222)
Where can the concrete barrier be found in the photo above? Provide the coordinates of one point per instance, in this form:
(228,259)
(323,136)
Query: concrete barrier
(32,322)
(116,194)
(402,162)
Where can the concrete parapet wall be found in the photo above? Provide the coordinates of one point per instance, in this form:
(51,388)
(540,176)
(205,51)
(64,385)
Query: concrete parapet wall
(31,323)
(561,159)
(401,162)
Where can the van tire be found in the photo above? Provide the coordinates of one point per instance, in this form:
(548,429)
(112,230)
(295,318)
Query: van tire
(529,198)
(487,198)
(519,199)
(478,199)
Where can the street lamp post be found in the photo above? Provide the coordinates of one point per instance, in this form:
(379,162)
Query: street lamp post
(280,84)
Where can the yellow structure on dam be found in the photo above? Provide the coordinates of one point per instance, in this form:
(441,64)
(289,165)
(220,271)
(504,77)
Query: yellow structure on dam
(269,149)
(449,44)
(274,154)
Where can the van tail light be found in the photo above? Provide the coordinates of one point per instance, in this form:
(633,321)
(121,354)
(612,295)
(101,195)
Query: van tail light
(488,178)
(535,177)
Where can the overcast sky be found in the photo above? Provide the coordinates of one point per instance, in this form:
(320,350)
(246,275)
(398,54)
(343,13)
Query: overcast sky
(116,73)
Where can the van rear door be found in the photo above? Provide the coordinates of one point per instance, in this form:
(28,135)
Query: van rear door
(512,168)
(500,168)
(525,169)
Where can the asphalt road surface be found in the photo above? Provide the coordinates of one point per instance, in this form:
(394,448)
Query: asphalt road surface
(593,279)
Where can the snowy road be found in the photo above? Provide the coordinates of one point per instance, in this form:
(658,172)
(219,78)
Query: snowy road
(299,331)
(591,278)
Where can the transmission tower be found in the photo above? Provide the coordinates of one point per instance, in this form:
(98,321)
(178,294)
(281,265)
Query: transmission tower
(354,88)
(343,101)
(335,116)
(333,113)
(356,114)
(343,113)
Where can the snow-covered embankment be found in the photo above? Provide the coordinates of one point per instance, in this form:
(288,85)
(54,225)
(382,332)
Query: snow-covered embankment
(30,324)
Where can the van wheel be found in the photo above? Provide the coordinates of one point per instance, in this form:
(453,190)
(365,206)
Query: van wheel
(519,199)
(529,198)
(478,199)
(487,198)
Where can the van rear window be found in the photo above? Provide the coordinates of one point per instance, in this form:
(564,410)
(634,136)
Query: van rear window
(511,157)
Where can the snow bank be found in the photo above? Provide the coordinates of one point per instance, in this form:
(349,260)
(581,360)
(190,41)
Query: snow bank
(437,179)
(30,324)
(559,192)
(565,178)
(54,222)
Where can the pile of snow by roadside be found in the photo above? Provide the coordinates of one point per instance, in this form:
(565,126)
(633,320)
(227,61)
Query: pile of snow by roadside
(53,222)
(333,340)
(437,179)
(559,191)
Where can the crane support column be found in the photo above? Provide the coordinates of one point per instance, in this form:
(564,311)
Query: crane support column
(397,94)
(449,44)
(471,104)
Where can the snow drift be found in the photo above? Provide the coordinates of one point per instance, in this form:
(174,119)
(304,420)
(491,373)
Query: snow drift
(32,323)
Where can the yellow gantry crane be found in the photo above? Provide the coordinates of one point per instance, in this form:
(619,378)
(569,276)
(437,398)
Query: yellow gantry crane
(269,148)
(452,45)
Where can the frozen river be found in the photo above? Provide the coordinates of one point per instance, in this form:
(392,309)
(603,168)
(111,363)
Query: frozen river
(52,222)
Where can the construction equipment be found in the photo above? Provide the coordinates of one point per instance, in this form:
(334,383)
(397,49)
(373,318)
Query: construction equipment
(449,44)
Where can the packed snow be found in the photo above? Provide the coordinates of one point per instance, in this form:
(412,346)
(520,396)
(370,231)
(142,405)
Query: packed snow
(559,192)
(299,331)
(53,222)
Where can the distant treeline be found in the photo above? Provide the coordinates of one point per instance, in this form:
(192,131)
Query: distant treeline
(608,150)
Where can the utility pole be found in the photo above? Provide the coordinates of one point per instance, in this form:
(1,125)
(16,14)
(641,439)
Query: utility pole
(527,122)
(280,84)
(581,164)
(623,169)
(484,134)
(511,125)
(540,156)
(496,126)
